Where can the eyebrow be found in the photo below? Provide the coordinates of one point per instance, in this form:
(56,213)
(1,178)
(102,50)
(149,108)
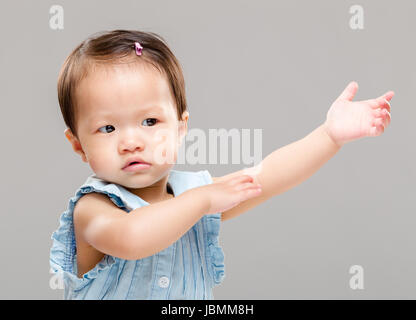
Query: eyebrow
(110,115)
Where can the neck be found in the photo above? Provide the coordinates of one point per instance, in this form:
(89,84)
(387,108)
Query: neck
(159,191)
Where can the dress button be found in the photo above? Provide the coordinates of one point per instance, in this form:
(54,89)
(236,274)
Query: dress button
(163,282)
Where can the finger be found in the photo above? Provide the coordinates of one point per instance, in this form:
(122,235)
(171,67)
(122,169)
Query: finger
(389,95)
(384,115)
(247,186)
(387,118)
(380,129)
(384,100)
(381,112)
(243,178)
(349,92)
(377,129)
(250,193)
(379,103)
(387,105)
(377,122)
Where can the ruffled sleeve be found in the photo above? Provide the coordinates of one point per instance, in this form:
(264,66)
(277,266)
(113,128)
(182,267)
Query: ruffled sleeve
(215,254)
(63,251)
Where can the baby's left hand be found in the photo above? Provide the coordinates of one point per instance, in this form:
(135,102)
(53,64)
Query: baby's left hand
(347,120)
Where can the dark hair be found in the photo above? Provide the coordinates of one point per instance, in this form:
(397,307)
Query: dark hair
(112,47)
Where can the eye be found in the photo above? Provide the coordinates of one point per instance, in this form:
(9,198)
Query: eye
(107,127)
(154,121)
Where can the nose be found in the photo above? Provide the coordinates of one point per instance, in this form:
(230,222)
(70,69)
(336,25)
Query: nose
(131,142)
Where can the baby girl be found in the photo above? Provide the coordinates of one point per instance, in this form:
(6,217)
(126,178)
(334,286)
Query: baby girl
(137,229)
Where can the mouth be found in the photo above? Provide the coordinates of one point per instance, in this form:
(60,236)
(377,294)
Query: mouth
(136,165)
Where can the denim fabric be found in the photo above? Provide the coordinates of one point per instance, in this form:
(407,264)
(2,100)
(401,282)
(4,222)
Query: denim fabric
(188,269)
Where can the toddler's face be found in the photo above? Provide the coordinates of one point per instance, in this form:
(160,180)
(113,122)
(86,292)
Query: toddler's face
(123,112)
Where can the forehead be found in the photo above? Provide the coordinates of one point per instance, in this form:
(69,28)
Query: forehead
(108,88)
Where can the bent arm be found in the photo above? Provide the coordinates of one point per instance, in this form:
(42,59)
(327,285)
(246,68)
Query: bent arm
(143,231)
(155,227)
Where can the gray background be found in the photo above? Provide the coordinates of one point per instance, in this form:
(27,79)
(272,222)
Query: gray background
(248,64)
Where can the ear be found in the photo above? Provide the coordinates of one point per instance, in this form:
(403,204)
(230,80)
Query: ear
(183,126)
(76,145)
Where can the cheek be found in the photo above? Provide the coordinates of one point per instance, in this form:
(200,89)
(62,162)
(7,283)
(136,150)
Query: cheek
(99,158)
(94,164)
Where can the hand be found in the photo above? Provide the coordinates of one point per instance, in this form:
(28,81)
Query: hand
(228,193)
(347,120)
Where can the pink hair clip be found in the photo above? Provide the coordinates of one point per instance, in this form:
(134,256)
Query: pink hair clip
(138,48)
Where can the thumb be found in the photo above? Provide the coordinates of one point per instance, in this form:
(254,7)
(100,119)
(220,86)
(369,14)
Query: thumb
(349,91)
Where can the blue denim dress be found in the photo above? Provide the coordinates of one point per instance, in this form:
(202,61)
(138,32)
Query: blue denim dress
(188,269)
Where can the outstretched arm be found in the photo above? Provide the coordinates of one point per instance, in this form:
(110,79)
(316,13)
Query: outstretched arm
(292,164)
